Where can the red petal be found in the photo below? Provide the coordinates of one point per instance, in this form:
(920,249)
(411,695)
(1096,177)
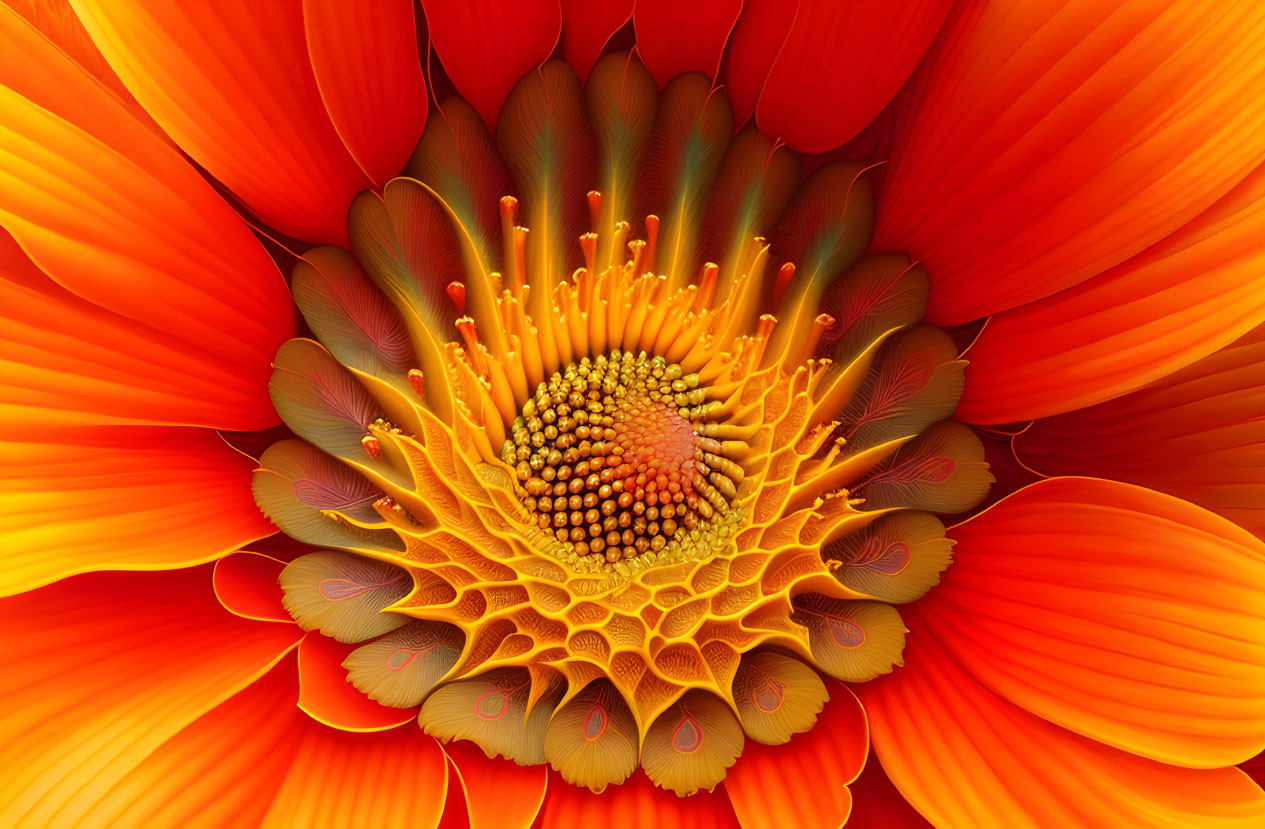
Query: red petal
(1197,434)
(877,803)
(367,68)
(754,45)
(235,89)
(121,498)
(69,362)
(256,760)
(586,26)
(388,780)
(56,20)
(1119,613)
(223,769)
(99,671)
(634,804)
(499,794)
(246,584)
(141,235)
(1041,145)
(487,46)
(327,696)
(675,37)
(771,786)
(1175,303)
(840,65)
(964,756)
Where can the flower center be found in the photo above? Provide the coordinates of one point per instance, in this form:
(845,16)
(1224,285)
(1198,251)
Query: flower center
(612,455)
(615,509)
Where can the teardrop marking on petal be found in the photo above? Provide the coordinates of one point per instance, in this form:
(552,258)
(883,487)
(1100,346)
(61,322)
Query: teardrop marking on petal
(492,705)
(916,381)
(776,695)
(692,743)
(687,737)
(846,634)
(888,560)
(853,641)
(301,490)
(592,740)
(493,710)
(768,695)
(400,668)
(942,470)
(342,595)
(898,558)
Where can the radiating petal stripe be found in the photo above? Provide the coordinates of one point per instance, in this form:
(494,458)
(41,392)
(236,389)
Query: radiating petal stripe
(65,362)
(999,180)
(772,786)
(119,498)
(1198,434)
(1119,613)
(634,804)
(965,757)
(116,216)
(1177,302)
(389,780)
(99,671)
(498,794)
(233,85)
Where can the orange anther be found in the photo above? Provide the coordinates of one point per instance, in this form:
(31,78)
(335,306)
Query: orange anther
(457,293)
(782,280)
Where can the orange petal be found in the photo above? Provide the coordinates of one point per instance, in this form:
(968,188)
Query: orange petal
(586,26)
(966,757)
(633,804)
(1177,302)
(391,780)
(756,40)
(840,65)
(223,769)
(772,786)
(56,20)
(487,46)
(498,794)
(1119,613)
(126,498)
(877,803)
(367,68)
(70,363)
(675,37)
(1196,434)
(246,584)
(1039,147)
(100,670)
(236,91)
(118,217)
(327,696)
(257,760)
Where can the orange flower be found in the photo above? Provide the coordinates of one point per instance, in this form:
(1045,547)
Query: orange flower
(644,352)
